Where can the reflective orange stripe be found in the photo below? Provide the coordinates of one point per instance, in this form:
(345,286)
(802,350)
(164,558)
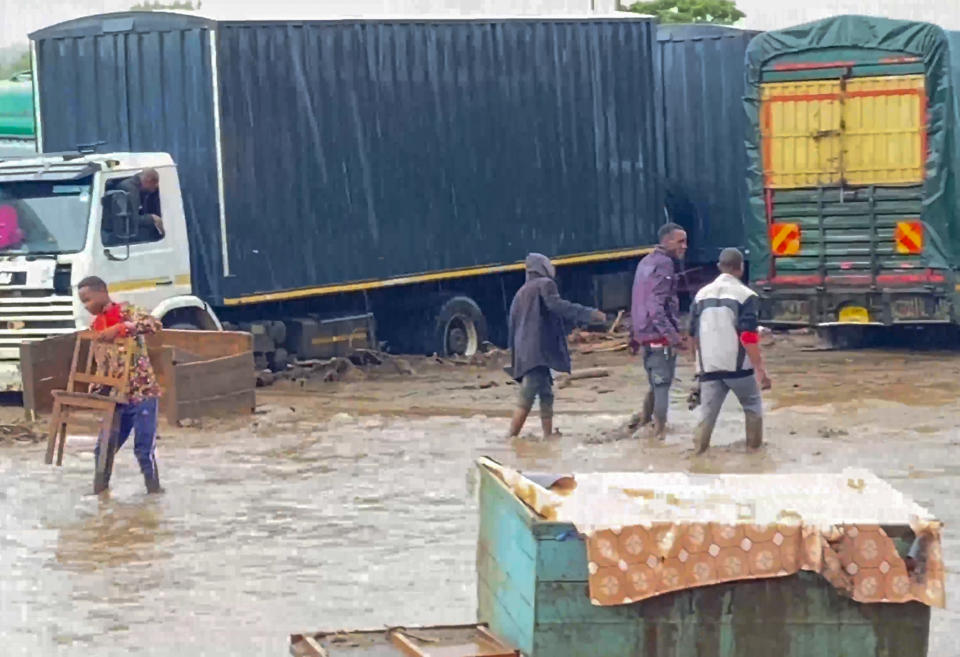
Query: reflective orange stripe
(785,239)
(909,237)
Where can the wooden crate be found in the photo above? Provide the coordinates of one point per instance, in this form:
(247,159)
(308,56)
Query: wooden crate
(203,373)
(532,591)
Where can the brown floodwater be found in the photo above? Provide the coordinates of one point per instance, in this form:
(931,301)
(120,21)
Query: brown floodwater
(310,519)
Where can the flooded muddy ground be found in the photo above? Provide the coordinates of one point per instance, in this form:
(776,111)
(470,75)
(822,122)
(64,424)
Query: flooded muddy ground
(353,504)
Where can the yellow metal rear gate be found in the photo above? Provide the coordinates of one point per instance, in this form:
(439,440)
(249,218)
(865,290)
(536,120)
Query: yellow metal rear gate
(856,131)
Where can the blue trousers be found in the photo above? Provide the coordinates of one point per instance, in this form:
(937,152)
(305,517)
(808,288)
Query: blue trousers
(141,419)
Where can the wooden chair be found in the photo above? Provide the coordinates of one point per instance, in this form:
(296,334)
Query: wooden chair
(73,406)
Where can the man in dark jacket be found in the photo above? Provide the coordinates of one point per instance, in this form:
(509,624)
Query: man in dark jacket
(538,340)
(143,190)
(655,311)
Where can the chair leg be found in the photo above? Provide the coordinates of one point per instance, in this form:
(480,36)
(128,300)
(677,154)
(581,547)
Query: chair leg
(101,477)
(61,442)
(53,432)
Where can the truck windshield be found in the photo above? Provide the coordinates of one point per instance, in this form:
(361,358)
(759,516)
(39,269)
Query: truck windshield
(44,216)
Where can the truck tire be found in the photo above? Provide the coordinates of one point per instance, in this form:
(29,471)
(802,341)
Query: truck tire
(278,359)
(277,331)
(184,326)
(460,327)
(843,338)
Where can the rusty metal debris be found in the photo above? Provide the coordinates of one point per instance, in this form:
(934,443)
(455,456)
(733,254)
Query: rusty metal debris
(450,641)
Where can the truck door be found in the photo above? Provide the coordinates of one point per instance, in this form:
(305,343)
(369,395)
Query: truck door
(155,267)
(843,167)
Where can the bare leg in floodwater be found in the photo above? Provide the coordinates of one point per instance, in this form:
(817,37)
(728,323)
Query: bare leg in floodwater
(519,419)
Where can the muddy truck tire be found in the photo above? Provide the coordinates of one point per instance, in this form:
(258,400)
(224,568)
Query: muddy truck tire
(459,328)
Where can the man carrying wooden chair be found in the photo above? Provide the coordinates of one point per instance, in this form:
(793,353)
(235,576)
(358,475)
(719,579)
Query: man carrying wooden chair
(113,321)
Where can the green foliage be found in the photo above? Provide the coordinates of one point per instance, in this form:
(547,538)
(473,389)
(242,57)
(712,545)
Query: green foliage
(18,65)
(156,5)
(722,12)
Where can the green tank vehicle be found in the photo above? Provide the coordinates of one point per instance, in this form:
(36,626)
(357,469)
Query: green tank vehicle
(16,107)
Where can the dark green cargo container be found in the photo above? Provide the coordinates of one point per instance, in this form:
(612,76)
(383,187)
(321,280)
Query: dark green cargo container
(701,127)
(532,591)
(853,154)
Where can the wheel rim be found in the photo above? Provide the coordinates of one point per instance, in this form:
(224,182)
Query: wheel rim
(461,337)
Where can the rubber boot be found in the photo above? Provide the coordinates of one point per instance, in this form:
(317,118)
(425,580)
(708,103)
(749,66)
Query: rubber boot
(754,424)
(153,483)
(701,437)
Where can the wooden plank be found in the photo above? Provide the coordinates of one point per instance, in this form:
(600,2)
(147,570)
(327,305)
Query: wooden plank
(81,402)
(238,403)
(182,356)
(406,645)
(517,569)
(508,594)
(205,345)
(494,614)
(499,496)
(569,602)
(162,360)
(314,646)
(805,598)
(696,635)
(562,560)
(52,433)
(595,640)
(485,632)
(82,377)
(504,534)
(214,378)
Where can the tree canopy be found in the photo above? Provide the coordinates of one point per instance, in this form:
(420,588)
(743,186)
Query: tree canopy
(722,12)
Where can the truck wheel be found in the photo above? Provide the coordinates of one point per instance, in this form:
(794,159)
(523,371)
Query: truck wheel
(277,331)
(184,326)
(842,337)
(278,360)
(460,327)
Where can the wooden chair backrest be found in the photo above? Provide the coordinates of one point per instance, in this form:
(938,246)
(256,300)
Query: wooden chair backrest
(91,365)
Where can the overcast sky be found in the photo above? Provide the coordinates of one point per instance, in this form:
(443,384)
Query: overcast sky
(19,17)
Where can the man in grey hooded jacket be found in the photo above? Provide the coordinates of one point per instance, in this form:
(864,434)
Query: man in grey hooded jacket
(538,340)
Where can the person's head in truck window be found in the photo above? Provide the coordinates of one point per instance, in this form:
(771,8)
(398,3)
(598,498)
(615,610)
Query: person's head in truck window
(149,181)
(143,190)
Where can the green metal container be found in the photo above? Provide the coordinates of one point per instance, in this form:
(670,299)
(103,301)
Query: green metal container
(532,591)
(16,108)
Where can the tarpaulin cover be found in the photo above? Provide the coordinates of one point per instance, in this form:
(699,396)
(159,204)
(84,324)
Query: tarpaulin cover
(653,533)
(878,39)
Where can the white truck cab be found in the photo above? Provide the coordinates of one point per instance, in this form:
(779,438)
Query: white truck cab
(58,227)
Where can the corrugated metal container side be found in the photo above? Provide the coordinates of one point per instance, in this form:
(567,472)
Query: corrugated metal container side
(360,150)
(139,82)
(700,86)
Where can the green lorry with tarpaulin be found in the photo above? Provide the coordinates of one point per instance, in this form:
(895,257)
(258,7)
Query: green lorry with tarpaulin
(853,154)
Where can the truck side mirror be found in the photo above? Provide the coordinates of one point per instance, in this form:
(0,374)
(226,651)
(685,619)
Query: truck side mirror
(117,216)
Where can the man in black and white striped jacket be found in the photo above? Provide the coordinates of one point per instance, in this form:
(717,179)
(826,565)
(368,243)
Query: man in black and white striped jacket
(724,325)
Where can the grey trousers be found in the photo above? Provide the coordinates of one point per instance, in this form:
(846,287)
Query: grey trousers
(712,396)
(660,364)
